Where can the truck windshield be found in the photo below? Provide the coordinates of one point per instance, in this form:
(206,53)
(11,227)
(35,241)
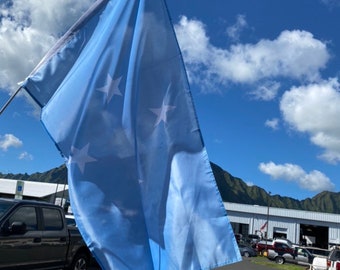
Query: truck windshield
(4,206)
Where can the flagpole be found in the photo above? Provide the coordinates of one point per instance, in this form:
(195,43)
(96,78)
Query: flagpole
(10,100)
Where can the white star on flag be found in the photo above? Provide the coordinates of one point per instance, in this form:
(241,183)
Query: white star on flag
(162,113)
(80,157)
(111,88)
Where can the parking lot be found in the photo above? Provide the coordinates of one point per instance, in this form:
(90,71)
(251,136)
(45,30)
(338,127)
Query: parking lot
(260,263)
(245,264)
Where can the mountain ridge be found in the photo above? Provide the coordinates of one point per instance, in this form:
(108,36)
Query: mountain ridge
(232,189)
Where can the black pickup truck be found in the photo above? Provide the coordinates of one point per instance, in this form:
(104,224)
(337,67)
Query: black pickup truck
(35,235)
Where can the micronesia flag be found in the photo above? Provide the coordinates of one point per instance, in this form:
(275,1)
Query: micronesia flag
(116,102)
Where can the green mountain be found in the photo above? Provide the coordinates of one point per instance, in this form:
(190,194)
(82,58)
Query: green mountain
(232,189)
(56,175)
(235,190)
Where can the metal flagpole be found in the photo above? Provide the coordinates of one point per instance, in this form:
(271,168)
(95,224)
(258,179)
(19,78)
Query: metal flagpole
(10,100)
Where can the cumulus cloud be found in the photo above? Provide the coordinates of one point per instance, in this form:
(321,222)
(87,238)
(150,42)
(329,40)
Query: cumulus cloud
(9,140)
(28,28)
(293,54)
(266,91)
(24,39)
(234,31)
(272,123)
(314,109)
(314,181)
(25,156)
(331,3)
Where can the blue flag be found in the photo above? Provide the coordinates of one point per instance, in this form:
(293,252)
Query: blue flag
(116,102)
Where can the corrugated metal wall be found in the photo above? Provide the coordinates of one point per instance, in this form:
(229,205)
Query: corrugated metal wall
(283,221)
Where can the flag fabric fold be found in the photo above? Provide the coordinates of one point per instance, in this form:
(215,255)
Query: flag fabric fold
(116,102)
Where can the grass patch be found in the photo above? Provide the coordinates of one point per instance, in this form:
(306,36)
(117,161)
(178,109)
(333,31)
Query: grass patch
(286,266)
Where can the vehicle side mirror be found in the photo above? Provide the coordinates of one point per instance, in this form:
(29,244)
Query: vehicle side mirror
(18,227)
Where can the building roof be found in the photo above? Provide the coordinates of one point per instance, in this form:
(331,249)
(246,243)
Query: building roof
(282,212)
(31,189)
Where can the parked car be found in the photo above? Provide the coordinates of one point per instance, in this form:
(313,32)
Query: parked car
(247,251)
(238,237)
(35,235)
(283,253)
(333,260)
(254,237)
(319,263)
(251,239)
(263,245)
(280,252)
(303,256)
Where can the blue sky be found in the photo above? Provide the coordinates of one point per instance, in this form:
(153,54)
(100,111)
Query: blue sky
(264,77)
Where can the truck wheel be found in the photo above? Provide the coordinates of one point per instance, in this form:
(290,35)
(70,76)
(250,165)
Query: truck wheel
(80,262)
(246,254)
(279,260)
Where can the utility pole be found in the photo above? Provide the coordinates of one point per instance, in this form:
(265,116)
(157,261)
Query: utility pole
(268,205)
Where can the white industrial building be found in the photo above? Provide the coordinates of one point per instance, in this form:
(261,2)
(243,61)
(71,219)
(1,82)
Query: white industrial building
(311,228)
(50,192)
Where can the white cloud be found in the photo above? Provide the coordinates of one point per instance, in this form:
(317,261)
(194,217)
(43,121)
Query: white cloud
(28,28)
(25,156)
(272,123)
(9,140)
(293,54)
(233,31)
(266,91)
(218,141)
(249,184)
(314,181)
(314,109)
(331,3)
(24,39)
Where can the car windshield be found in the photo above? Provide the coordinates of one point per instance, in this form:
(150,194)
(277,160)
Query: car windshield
(4,206)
